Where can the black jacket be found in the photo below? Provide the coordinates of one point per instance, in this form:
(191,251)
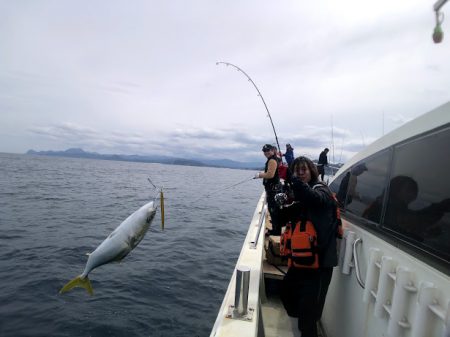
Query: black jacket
(272,185)
(323,159)
(318,205)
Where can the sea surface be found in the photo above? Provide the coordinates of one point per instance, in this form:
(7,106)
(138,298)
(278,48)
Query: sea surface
(55,210)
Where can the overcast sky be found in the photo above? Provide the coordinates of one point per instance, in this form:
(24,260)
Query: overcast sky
(140,77)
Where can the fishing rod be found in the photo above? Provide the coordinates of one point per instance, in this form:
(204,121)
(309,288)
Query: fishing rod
(262,98)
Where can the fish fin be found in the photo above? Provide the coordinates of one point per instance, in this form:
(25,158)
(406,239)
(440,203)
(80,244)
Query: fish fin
(161,199)
(78,282)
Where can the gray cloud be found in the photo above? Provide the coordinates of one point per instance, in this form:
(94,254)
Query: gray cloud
(142,79)
(238,144)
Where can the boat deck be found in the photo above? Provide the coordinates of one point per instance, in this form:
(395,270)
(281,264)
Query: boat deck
(275,319)
(266,315)
(276,322)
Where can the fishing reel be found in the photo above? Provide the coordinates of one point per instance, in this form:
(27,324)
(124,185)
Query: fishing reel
(284,200)
(285,196)
(281,199)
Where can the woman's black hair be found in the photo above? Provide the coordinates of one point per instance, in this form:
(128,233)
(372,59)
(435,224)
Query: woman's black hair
(308,162)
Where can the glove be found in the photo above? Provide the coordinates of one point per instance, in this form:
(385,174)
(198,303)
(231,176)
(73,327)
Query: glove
(256,176)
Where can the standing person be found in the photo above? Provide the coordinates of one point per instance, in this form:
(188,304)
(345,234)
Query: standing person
(289,154)
(271,182)
(304,289)
(323,161)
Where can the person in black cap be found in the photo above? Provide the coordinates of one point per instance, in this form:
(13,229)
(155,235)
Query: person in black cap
(272,185)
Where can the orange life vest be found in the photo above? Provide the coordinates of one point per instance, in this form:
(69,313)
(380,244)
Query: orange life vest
(299,244)
(299,241)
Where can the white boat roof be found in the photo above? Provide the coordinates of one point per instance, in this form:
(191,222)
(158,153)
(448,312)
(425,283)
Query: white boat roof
(426,122)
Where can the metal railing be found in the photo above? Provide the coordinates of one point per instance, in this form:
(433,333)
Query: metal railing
(355,257)
(261,222)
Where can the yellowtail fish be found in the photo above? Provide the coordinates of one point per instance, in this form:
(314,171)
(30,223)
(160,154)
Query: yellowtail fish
(118,244)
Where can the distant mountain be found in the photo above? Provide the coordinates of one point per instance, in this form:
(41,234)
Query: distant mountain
(80,153)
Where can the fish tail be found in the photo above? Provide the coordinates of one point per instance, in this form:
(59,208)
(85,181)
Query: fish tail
(78,282)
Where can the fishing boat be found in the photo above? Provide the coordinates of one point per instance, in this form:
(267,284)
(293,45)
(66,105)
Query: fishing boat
(393,277)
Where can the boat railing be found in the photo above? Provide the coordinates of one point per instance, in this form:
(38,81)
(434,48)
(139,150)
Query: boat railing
(356,262)
(240,312)
(261,224)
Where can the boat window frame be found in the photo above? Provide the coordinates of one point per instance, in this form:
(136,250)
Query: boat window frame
(390,154)
(401,236)
(385,233)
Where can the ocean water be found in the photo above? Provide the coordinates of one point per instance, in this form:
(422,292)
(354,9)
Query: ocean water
(55,210)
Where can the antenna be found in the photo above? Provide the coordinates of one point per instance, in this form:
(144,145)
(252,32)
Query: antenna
(342,149)
(332,136)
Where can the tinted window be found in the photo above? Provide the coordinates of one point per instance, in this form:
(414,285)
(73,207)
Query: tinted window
(418,204)
(366,183)
(339,186)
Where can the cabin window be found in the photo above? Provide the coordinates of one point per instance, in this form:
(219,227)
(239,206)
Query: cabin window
(340,188)
(366,181)
(418,202)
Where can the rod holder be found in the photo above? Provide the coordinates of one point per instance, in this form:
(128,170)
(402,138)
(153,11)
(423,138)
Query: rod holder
(427,296)
(373,274)
(241,294)
(385,287)
(404,288)
(240,309)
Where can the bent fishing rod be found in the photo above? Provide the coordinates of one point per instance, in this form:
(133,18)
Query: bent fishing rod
(260,95)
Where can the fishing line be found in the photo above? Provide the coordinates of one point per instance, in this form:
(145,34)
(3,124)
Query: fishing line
(223,188)
(152,183)
(243,181)
(158,189)
(161,201)
(262,98)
